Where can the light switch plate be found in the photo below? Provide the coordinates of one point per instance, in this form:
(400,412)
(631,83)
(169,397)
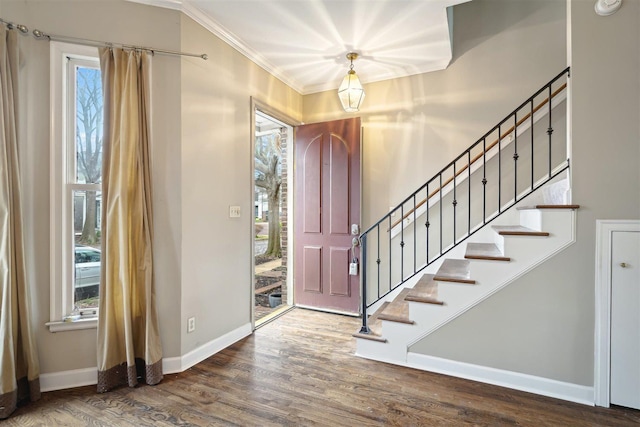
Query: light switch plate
(234,211)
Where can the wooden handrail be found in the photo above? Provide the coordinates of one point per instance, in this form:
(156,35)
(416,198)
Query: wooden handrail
(480,155)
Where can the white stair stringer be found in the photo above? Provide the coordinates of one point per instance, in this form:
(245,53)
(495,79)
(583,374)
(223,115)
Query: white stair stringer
(526,252)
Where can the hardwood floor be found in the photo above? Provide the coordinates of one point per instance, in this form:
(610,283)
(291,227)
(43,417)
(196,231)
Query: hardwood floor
(299,370)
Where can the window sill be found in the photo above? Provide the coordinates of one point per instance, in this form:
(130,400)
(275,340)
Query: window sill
(60,326)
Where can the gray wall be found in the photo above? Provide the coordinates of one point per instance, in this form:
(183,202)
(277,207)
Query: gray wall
(503,50)
(116,21)
(543,324)
(201,154)
(217,169)
(380,247)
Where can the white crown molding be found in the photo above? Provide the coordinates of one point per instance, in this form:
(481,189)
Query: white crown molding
(216,28)
(225,35)
(167,4)
(228,37)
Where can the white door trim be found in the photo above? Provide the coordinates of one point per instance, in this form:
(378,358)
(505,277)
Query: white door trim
(602,354)
(264,107)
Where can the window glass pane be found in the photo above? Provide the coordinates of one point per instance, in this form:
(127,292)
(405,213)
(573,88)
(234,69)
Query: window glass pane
(88,125)
(86,228)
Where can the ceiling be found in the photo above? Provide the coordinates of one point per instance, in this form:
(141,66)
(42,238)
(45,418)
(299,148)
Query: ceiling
(304,42)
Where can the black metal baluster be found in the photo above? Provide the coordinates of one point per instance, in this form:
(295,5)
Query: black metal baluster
(550,130)
(390,250)
(414,233)
(365,328)
(469,188)
(499,169)
(427,224)
(455,203)
(440,190)
(401,243)
(532,148)
(484,180)
(515,157)
(377,259)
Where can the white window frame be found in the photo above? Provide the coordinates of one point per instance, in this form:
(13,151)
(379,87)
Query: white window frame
(62,185)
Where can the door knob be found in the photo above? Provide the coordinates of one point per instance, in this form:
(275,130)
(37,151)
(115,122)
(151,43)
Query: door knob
(623,264)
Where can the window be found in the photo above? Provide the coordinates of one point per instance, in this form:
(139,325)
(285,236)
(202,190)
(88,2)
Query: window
(76,174)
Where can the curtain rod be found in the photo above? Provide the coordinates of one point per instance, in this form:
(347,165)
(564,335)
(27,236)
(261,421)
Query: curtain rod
(22,28)
(40,35)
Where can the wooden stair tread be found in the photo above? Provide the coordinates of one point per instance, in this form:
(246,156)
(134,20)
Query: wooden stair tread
(380,309)
(454,270)
(517,230)
(372,337)
(398,309)
(425,291)
(521,208)
(375,325)
(488,251)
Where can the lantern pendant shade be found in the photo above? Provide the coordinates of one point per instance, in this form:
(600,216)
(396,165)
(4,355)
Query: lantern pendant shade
(350,92)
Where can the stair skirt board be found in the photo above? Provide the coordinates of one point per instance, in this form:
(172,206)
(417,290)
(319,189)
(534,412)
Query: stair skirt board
(503,378)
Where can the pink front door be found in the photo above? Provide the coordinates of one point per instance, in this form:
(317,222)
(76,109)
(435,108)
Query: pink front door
(327,203)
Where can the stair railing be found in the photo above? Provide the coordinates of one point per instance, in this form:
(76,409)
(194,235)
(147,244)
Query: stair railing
(453,192)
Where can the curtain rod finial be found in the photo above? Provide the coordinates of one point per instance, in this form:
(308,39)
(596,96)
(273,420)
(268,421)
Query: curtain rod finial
(204,56)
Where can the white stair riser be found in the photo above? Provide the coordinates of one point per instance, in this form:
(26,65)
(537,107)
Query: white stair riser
(366,347)
(531,218)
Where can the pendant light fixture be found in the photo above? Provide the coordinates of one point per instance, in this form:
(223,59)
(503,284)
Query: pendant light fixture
(350,91)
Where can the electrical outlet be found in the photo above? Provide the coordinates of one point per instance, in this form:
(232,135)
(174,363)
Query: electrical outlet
(191,324)
(234,211)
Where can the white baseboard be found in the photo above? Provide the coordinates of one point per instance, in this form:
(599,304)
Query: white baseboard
(170,365)
(178,364)
(514,380)
(68,379)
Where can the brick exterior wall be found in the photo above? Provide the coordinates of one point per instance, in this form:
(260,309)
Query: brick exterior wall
(284,136)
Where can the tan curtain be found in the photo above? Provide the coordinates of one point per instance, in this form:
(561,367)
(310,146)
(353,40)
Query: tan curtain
(19,367)
(128,338)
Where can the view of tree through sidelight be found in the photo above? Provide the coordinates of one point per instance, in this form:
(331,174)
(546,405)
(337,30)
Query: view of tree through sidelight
(270,227)
(268,166)
(89,143)
(86,194)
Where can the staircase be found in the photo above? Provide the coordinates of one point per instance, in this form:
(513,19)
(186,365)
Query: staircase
(495,256)
(498,210)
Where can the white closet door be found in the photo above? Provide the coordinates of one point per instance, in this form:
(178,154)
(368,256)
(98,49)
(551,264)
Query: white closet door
(625,319)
